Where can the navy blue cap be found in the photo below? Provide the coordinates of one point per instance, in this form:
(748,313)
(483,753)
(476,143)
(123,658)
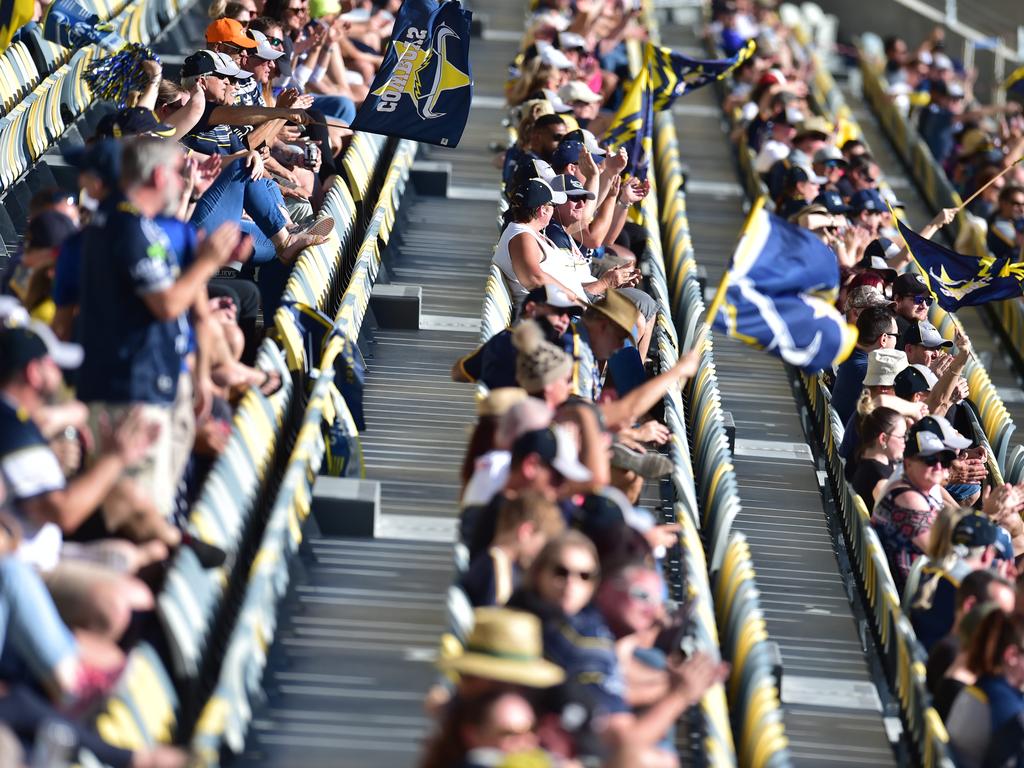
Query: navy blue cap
(534,193)
(976,530)
(565,153)
(909,382)
(798,173)
(868,200)
(102,159)
(49,229)
(833,201)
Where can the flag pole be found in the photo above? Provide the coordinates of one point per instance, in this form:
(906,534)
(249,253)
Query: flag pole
(723,285)
(988,184)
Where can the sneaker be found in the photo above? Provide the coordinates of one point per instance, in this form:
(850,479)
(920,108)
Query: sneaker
(650,465)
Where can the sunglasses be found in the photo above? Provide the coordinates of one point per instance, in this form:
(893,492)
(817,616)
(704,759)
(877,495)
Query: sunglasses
(561,572)
(937,460)
(275,40)
(926,300)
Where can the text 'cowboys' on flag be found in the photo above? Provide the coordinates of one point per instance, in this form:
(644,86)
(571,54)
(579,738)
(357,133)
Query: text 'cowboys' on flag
(424,87)
(778,295)
(959,280)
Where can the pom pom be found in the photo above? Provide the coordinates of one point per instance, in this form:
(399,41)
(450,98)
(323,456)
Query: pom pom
(527,337)
(115,77)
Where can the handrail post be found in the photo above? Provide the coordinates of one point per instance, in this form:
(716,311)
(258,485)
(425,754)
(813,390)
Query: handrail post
(950,12)
(998,75)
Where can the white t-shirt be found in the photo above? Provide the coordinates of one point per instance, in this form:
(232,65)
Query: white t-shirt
(555,262)
(30,472)
(771,152)
(490,473)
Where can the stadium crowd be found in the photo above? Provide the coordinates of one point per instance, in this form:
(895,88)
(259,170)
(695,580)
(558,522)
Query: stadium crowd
(911,444)
(129,324)
(558,555)
(974,143)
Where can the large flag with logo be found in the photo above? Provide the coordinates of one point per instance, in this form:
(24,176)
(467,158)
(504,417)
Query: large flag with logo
(959,280)
(425,85)
(664,76)
(778,295)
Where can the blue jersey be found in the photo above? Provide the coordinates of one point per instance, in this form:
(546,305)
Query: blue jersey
(130,356)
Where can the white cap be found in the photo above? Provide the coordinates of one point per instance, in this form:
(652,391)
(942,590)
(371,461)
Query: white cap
(263,47)
(568,40)
(883,365)
(942,61)
(559,106)
(577,90)
(554,57)
(544,169)
(950,437)
(590,142)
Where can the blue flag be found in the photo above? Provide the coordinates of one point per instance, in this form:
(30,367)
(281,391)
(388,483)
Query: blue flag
(674,75)
(14,14)
(424,87)
(633,126)
(959,280)
(779,295)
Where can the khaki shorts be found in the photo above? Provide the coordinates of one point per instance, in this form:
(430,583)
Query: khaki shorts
(71,583)
(154,474)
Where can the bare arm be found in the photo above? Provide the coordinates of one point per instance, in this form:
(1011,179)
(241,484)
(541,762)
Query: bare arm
(625,411)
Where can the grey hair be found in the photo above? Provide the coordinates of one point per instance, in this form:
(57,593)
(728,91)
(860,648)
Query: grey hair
(188,83)
(142,155)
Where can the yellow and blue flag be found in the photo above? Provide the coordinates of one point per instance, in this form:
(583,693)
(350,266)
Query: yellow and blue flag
(633,125)
(778,295)
(664,76)
(424,87)
(14,14)
(674,75)
(1015,82)
(959,280)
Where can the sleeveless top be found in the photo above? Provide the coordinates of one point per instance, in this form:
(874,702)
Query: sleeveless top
(554,261)
(897,527)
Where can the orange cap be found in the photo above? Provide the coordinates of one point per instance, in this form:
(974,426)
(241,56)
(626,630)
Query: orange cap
(228,31)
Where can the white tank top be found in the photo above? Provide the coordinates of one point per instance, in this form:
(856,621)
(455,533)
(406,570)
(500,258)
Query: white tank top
(554,261)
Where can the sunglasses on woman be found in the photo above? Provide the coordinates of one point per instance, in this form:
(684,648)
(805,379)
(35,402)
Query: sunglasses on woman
(561,572)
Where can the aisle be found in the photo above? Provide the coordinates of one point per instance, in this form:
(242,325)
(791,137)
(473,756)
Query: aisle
(832,709)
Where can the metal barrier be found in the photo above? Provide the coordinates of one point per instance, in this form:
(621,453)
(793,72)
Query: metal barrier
(753,697)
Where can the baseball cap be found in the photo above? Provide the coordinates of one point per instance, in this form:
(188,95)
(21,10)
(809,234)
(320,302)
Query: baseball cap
(566,152)
(570,41)
(534,193)
(555,446)
(554,296)
(229,31)
(867,200)
(830,155)
(206,62)
(572,187)
(577,90)
(942,61)
(909,382)
(589,142)
(798,173)
(133,121)
(20,345)
(833,202)
(263,47)
(946,432)
(976,530)
(883,366)
(49,229)
(923,442)
(883,248)
(102,159)
(909,284)
(555,58)
(552,97)
(927,335)
(864,296)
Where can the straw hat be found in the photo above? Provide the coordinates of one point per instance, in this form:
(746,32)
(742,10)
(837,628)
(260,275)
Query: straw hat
(506,646)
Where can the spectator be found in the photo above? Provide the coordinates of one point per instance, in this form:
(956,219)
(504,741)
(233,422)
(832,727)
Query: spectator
(1005,237)
(525,524)
(912,299)
(958,676)
(489,412)
(876,329)
(883,435)
(905,512)
(923,343)
(813,135)
(979,714)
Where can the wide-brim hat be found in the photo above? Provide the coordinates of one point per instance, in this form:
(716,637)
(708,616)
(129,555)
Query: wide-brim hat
(507,646)
(620,310)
